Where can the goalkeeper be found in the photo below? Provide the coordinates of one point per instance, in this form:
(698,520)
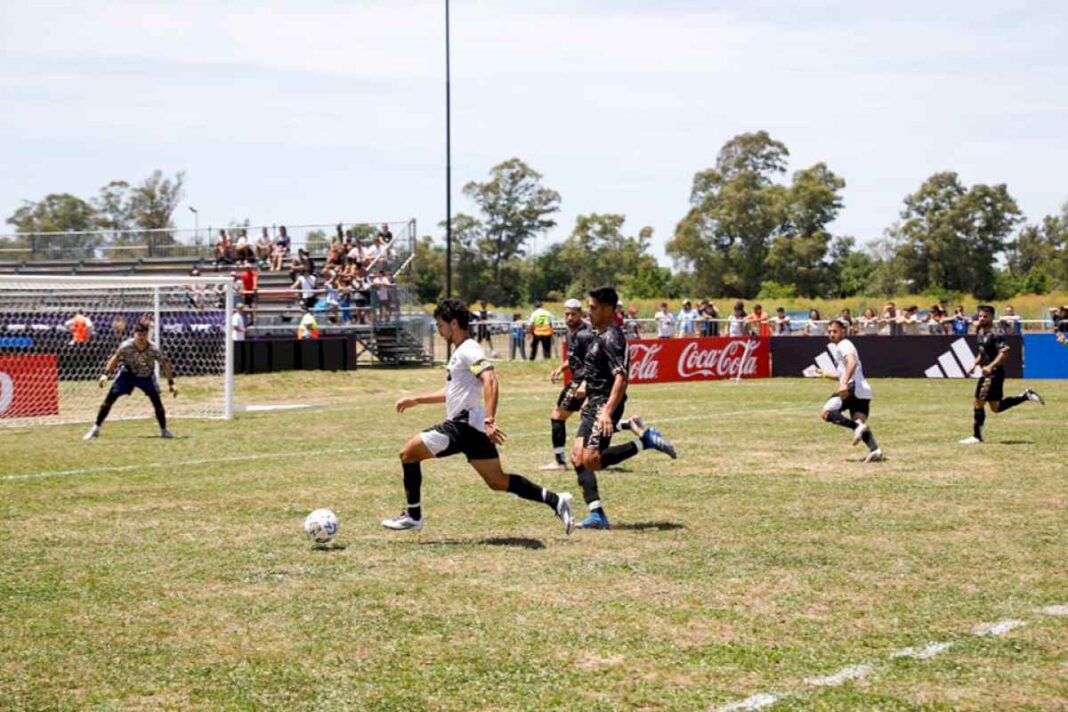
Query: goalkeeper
(136,359)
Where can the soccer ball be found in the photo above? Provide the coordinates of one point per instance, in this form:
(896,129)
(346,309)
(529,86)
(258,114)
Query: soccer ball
(321,526)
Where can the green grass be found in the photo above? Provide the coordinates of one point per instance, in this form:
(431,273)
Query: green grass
(767,554)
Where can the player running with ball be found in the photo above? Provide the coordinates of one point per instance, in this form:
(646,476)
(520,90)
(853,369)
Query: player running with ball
(469,427)
(854,393)
(136,360)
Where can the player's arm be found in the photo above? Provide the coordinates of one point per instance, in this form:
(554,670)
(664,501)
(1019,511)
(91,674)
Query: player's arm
(619,387)
(407,402)
(1003,353)
(109,368)
(168,373)
(558,372)
(491,391)
(847,375)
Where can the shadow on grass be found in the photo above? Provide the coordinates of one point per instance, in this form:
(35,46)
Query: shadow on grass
(327,548)
(514,541)
(645,526)
(1015,442)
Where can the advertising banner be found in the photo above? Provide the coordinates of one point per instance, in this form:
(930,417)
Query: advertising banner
(706,359)
(1045,357)
(29,385)
(891,356)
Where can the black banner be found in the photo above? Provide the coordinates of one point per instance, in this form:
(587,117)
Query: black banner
(891,356)
(271,355)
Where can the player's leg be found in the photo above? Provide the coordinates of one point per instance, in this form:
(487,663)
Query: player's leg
(832,413)
(858,410)
(566,404)
(649,437)
(123,386)
(150,388)
(586,457)
(978,412)
(1013,401)
(496,479)
(418,448)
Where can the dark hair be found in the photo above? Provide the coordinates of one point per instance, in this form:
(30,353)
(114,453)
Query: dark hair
(141,328)
(988,309)
(605,295)
(840,323)
(450,309)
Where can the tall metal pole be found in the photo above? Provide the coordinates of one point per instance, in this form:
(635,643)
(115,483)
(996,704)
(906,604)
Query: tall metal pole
(448,161)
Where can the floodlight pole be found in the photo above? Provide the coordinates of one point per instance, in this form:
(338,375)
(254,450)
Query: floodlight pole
(448,162)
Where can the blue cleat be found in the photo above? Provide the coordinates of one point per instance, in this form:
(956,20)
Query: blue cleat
(653,439)
(596,520)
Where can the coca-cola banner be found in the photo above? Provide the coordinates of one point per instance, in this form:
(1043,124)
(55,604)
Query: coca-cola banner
(665,360)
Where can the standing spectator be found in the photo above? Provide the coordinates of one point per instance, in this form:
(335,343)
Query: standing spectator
(80,327)
(345,293)
(758,322)
(308,328)
(305,283)
(237,323)
(780,323)
(846,317)
(250,281)
(482,333)
(541,330)
(617,317)
(867,323)
(736,321)
(385,234)
(633,325)
(263,248)
(518,337)
(665,322)
(933,320)
(1059,317)
(815,326)
(959,322)
(710,323)
(1010,322)
(383,286)
(910,323)
(686,321)
(890,319)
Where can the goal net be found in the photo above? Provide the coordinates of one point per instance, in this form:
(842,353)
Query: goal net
(56,334)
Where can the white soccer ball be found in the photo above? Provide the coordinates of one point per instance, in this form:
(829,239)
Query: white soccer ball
(321,525)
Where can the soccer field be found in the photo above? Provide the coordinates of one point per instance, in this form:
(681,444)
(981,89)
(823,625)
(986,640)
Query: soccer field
(766,566)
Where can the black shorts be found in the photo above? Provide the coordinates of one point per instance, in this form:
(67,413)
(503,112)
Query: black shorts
(250,298)
(126,382)
(991,388)
(592,438)
(854,405)
(569,399)
(451,437)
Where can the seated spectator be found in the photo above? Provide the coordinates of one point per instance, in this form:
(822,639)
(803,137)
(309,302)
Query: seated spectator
(1010,322)
(334,256)
(815,326)
(224,249)
(780,323)
(263,248)
(243,248)
(736,321)
(283,239)
(959,323)
(758,322)
(278,256)
(867,323)
(665,322)
(908,321)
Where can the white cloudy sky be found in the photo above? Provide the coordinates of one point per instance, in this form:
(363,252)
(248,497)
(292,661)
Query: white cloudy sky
(319,111)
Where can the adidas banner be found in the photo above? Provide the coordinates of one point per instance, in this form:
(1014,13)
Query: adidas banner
(890,356)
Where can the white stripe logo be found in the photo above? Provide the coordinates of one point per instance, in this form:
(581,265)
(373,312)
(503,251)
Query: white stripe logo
(953,363)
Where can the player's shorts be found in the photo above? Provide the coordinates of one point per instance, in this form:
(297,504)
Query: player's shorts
(853,404)
(126,382)
(569,399)
(991,388)
(592,438)
(452,436)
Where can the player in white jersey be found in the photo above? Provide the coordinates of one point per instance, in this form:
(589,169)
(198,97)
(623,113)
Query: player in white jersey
(854,392)
(470,426)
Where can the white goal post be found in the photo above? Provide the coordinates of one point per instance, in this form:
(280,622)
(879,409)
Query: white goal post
(57,332)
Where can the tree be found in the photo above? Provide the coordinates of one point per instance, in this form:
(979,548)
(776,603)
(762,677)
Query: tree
(472,277)
(850,270)
(951,235)
(152,203)
(549,277)
(57,212)
(1038,257)
(735,209)
(428,270)
(598,253)
(515,207)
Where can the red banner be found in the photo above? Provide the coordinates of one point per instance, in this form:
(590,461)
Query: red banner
(29,385)
(707,359)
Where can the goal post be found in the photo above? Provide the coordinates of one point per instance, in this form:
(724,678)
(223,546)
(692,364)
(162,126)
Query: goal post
(57,332)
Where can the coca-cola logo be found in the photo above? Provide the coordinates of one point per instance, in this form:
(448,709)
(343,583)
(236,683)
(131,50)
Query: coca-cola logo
(733,360)
(644,365)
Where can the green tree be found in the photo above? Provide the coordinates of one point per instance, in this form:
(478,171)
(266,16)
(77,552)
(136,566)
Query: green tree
(56,212)
(152,204)
(598,253)
(850,269)
(428,270)
(515,207)
(951,235)
(1038,257)
(735,209)
(472,275)
(548,278)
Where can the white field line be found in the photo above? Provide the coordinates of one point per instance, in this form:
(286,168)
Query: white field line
(853,672)
(998,628)
(251,457)
(1055,610)
(756,702)
(926,653)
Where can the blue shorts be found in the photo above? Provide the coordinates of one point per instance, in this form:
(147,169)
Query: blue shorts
(125,384)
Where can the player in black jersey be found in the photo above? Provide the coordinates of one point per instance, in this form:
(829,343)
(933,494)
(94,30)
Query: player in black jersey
(605,373)
(579,337)
(993,350)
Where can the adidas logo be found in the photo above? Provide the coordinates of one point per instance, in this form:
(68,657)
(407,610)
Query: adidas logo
(824,363)
(953,363)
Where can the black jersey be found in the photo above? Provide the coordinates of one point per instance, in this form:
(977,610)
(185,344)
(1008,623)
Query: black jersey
(607,356)
(990,345)
(578,343)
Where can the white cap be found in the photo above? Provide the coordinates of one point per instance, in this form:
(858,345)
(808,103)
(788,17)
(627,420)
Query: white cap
(573,304)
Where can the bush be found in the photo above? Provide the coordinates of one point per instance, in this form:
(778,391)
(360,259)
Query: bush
(774,290)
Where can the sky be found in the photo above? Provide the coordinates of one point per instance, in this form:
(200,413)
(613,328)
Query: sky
(317,111)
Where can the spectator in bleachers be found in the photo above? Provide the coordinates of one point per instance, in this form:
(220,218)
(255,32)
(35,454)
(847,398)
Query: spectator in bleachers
(80,327)
(250,282)
(959,323)
(1010,323)
(518,337)
(815,326)
(665,322)
(709,319)
(686,321)
(305,284)
(889,318)
(780,323)
(867,323)
(224,249)
(385,234)
(356,253)
(263,249)
(278,257)
(243,251)
(736,321)
(283,239)
(758,322)
(237,323)
(345,294)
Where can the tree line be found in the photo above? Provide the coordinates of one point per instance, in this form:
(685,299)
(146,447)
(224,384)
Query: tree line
(749,233)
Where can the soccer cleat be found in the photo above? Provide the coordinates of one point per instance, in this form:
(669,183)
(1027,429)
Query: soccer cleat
(563,510)
(597,519)
(93,433)
(403,522)
(166,434)
(970,440)
(875,455)
(1033,396)
(653,439)
(554,465)
(858,433)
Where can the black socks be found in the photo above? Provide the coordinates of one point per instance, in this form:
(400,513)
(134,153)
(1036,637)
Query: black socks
(1012,402)
(559,430)
(525,489)
(977,426)
(836,417)
(588,481)
(618,453)
(413,482)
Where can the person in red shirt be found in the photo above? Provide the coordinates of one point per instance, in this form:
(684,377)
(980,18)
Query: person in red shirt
(250,279)
(759,322)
